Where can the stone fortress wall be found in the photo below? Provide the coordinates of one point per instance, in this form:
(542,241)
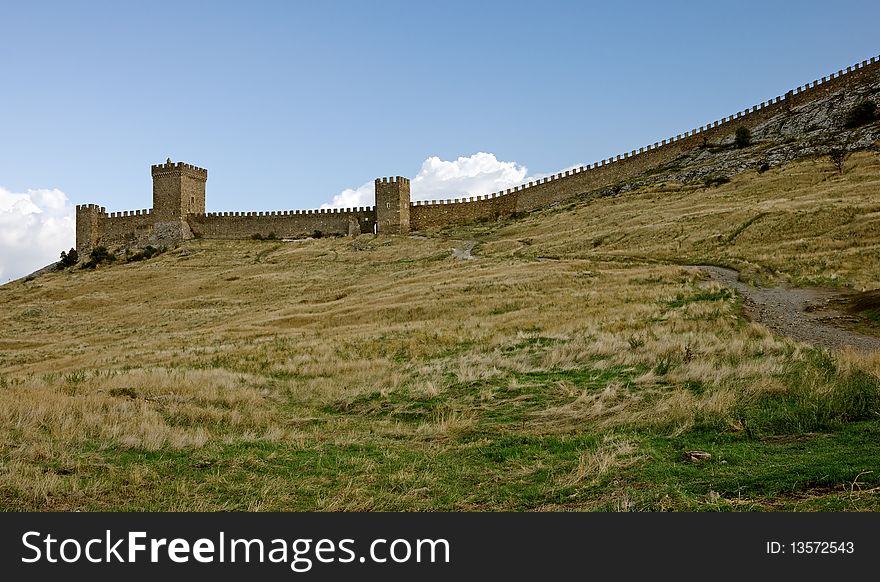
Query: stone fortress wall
(178,213)
(179,190)
(283,224)
(578,181)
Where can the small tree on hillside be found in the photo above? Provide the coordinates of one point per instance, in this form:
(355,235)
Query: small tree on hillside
(98,255)
(838,156)
(743,137)
(68,259)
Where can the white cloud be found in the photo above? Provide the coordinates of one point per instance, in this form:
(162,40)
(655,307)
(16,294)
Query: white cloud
(348,198)
(475,175)
(34,228)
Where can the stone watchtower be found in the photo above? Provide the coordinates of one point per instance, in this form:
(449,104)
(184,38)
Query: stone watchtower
(88,229)
(178,190)
(392,205)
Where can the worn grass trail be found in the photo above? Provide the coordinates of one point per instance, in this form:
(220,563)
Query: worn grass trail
(813,315)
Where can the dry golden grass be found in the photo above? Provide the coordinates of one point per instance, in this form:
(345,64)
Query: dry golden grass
(145,409)
(614,452)
(220,343)
(802,221)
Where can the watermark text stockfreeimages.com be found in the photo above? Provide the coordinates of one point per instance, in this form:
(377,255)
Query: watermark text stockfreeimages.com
(301,554)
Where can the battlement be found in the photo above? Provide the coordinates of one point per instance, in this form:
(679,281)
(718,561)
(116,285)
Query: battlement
(179,188)
(172,168)
(129,213)
(689,138)
(392,180)
(91,208)
(354,210)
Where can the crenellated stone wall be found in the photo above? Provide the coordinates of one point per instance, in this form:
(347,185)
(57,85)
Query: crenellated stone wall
(572,183)
(179,189)
(286,224)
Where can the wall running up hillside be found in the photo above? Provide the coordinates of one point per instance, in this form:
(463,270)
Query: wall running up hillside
(178,189)
(569,184)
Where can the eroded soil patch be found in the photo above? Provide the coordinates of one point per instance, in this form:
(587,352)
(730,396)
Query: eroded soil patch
(813,315)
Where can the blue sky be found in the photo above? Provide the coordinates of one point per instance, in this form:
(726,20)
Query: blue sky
(289,104)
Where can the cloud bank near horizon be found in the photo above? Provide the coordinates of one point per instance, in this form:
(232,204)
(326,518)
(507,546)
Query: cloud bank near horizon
(474,175)
(35,227)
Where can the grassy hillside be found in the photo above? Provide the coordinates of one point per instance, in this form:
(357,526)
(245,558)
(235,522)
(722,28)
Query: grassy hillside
(575,363)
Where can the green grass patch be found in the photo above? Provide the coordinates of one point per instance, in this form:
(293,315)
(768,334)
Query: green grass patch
(702,295)
(819,397)
(773,473)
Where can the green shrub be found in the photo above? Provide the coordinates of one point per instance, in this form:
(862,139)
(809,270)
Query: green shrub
(68,259)
(148,252)
(743,137)
(664,365)
(99,255)
(838,156)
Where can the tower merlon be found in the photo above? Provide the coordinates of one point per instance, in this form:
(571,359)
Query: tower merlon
(172,168)
(392,180)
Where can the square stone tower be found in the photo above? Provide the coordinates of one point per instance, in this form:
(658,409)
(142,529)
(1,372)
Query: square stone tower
(88,226)
(392,205)
(178,190)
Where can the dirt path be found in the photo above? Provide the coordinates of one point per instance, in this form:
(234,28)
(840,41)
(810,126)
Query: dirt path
(808,315)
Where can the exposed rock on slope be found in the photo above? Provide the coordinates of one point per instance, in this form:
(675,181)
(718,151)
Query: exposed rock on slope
(813,128)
